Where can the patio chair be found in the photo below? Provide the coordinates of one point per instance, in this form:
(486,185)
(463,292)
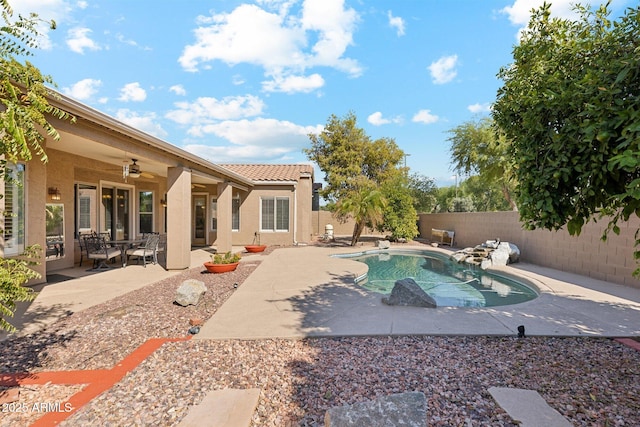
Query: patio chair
(99,251)
(146,251)
(82,245)
(162,247)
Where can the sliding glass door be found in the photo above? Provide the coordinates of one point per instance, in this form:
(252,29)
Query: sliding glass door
(116,212)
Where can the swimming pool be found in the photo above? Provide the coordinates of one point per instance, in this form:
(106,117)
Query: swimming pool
(449,283)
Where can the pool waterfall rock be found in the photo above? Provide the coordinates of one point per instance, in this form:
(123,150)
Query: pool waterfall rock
(406,292)
(492,252)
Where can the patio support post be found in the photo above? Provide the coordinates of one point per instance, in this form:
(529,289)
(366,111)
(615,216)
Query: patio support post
(178,218)
(225,236)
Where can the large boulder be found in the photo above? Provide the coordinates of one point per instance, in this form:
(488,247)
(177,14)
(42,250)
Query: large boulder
(407,292)
(403,409)
(190,292)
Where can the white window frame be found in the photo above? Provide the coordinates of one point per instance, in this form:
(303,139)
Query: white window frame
(275,228)
(16,245)
(139,210)
(213,209)
(235,200)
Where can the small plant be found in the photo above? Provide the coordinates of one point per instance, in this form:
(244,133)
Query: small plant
(227,258)
(14,274)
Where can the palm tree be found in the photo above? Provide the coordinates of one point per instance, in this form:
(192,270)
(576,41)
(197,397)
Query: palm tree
(365,205)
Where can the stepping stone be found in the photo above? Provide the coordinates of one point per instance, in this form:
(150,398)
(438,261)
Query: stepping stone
(402,409)
(528,408)
(223,408)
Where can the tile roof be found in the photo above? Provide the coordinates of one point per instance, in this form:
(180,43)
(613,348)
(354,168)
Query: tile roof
(265,172)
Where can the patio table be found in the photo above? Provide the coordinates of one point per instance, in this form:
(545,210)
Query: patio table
(124,245)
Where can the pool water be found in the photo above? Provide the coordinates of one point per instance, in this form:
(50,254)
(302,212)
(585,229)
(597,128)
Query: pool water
(450,284)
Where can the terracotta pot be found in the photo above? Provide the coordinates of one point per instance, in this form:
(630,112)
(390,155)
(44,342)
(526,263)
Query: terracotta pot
(220,268)
(255,248)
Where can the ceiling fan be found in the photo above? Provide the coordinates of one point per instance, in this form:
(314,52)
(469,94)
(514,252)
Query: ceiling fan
(133,170)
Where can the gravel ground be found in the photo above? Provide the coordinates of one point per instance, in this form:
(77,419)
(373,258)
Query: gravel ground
(591,381)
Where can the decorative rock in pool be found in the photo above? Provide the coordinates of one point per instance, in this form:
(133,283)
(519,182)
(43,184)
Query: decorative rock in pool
(407,292)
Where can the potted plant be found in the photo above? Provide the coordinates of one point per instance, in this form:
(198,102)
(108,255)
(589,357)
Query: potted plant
(256,246)
(222,263)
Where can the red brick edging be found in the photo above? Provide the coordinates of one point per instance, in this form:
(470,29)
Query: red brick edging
(99,380)
(629,343)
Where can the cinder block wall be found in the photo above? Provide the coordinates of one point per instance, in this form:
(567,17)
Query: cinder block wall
(320,219)
(586,254)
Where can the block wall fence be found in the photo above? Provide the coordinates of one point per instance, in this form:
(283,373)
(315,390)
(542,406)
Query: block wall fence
(587,254)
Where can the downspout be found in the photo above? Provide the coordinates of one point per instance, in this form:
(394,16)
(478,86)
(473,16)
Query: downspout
(295,215)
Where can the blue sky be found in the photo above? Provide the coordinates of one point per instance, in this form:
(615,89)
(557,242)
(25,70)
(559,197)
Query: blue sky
(247,81)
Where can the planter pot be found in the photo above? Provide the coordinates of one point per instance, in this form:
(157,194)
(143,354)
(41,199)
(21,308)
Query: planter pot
(220,268)
(255,248)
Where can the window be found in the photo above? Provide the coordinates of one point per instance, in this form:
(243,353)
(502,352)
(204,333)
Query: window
(145,204)
(235,214)
(214,214)
(86,214)
(14,205)
(274,214)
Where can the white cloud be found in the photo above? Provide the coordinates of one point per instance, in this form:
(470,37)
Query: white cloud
(397,23)
(444,69)
(236,153)
(207,110)
(84,89)
(132,92)
(425,116)
(261,131)
(237,80)
(58,10)
(78,40)
(520,12)
(279,42)
(293,84)
(254,140)
(144,122)
(178,90)
(377,119)
(480,108)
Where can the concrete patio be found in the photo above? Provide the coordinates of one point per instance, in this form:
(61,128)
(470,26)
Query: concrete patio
(304,291)
(300,292)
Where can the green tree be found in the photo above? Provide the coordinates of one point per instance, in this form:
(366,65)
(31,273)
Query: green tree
(399,215)
(570,106)
(366,205)
(354,166)
(424,192)
(476,148)
(23,95)
(486,196)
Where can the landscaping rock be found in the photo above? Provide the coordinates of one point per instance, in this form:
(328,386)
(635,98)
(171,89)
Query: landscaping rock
(406,292)
(384,244)
(190,292)
(403,409)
